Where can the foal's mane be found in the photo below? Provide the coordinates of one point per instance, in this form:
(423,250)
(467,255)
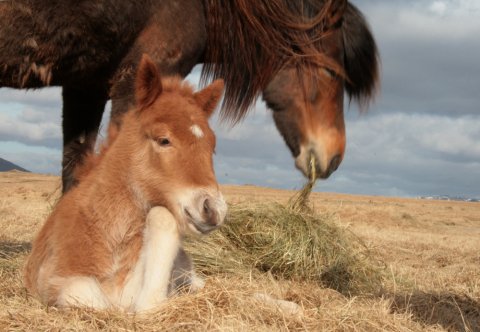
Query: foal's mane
(177,84)
(92,159)
(250,41)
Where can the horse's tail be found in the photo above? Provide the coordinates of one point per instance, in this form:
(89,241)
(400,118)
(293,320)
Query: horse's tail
(361,57)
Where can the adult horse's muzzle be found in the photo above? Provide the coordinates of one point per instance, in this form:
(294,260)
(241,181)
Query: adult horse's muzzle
(324,165)
(204,212)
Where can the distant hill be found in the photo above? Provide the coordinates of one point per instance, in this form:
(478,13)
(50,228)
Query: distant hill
(451,198)
(6,166)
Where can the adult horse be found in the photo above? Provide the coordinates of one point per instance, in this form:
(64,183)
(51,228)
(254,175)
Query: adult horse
(301,54)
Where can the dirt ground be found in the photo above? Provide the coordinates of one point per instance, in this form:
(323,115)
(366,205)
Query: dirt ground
(430,250)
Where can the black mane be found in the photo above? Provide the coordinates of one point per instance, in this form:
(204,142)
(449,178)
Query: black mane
(361,58)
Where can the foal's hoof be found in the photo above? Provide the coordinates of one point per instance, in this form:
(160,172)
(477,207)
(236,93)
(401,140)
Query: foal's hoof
(286,307)
(197,283)
(160,216)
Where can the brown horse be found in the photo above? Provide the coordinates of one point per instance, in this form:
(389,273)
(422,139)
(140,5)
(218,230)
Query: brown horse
(92,49)
(309,112)
(115,239)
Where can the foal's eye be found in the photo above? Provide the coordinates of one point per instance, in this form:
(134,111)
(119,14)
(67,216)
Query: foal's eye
(163,141)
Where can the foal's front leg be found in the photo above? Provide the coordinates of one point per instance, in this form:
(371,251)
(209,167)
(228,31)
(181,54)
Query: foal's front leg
(161,243)
(183,275)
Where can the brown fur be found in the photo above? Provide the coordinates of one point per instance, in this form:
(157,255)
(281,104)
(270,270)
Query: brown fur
(309,112)
(92,159)
(92,49)
(96,228)
(250,42)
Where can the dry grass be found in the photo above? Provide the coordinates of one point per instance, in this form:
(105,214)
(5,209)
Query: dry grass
(299,246)
(300,201)
(431,253)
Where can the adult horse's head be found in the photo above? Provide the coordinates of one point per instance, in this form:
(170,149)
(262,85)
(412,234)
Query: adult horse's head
(173,146)
(310,118)
(308,109)
(303,55)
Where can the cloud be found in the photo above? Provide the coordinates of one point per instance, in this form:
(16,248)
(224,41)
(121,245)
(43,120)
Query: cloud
(32,158)
(422,19)
(42,99)
(429,61)
(438,7)
(30,127)
(410,154)
(448,138)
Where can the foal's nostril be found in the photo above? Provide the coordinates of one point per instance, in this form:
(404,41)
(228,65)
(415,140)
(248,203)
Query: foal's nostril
(206,207)
(209,213)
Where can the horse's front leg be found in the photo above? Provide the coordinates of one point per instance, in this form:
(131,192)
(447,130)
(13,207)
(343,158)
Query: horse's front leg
(82,113)
(184,277)
(148,285)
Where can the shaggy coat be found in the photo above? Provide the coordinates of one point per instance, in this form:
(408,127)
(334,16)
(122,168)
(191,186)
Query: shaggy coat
(115,239)
(92,49)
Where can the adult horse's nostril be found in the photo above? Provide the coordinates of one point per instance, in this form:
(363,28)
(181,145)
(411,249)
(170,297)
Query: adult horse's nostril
(334,163)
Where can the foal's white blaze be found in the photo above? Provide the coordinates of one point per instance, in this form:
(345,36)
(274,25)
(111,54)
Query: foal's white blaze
(196,131)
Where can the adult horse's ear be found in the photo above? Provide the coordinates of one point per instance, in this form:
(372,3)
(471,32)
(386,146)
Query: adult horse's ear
(148,85)
(209,97)
(334,10)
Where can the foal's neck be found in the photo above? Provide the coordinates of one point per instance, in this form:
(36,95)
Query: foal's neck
(114,201)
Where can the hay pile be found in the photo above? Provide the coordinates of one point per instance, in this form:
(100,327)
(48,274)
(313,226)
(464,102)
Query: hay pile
(290,242)
(298,246)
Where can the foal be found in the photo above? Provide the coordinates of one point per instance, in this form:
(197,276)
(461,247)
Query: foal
(115,239)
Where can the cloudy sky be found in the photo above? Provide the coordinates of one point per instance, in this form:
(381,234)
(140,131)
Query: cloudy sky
(421,137)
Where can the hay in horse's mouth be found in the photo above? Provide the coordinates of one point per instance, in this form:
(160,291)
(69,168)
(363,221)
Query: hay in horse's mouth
(299,202)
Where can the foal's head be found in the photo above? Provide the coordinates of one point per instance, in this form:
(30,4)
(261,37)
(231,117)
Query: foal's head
(172,147)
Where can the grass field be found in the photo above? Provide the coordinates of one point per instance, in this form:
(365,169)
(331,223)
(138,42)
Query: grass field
(425,256)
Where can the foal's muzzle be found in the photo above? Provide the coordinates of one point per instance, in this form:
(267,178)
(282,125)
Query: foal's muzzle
(205,212)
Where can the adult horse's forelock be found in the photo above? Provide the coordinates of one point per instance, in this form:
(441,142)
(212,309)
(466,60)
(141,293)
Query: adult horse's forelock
(284,33)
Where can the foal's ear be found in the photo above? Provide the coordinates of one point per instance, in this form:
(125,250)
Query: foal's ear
(148,85)
(209,97)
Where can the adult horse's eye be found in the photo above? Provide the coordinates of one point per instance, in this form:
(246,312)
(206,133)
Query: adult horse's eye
(333,74)
(275,106)
(163,141)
